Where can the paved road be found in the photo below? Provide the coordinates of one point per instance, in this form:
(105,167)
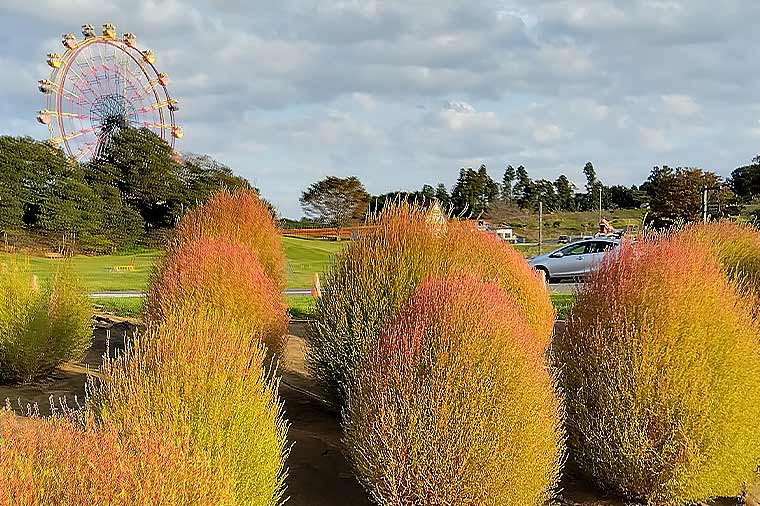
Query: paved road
(297,292)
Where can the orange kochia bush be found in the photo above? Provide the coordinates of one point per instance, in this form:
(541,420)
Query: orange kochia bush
(660,366)
(455,404)
(374,276)
(58,463)
(223,276)
(238,216)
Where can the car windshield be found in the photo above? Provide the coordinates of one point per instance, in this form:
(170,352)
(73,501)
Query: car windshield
(574,249)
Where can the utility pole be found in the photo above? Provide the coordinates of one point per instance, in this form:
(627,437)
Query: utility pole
(540,225)
(704,203)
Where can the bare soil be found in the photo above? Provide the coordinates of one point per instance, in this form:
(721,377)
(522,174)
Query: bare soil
(318,472)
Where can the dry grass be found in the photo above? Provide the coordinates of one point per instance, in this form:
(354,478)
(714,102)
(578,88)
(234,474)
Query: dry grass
(660,363)
(456,405)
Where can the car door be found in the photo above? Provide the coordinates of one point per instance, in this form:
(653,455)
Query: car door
(595,254)
(571,262)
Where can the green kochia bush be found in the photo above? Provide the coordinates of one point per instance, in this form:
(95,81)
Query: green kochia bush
(376,274)
(456,405)
(41,327)
(660,368)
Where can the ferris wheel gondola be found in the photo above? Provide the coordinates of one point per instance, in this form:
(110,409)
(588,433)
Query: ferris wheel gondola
(100,85)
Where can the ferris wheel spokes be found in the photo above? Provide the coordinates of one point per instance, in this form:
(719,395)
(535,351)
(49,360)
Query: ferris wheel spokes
(101,85)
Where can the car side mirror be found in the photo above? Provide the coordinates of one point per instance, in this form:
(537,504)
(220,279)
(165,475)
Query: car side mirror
(558,254)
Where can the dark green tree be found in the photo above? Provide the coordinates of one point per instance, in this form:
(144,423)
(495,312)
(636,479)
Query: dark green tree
(201,176)
(523,191)
(565,190)
(474,191)
(442,195)
(506,183)
(745,181)
(147,174)
(676,194)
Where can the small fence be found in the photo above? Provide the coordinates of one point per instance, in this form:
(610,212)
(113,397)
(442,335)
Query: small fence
(342,233)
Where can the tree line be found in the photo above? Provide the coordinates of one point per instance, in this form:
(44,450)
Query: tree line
(139,184)
(671,194)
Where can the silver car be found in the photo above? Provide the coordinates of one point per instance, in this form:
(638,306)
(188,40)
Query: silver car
(575,260)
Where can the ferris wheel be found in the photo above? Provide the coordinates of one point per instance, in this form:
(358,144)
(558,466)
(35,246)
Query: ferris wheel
(101,85)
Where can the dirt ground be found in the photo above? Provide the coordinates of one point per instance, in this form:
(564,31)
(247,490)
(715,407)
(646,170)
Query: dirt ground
(319,474)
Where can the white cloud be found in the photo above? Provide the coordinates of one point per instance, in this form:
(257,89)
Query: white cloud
(680,105)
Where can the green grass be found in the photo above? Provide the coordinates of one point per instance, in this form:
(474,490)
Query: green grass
(125,307)
(307,256)
(562,303)
(96,272)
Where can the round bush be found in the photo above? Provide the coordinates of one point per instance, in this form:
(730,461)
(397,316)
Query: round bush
(660,366)
(456,404)
(238,216)
(40,328)
(199,376)
(736,245)
(223,276)
(376,274)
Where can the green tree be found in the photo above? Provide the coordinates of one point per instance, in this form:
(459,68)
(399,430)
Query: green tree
(565,190)
(523,191)
(335,201)
(442,195)
(745,181)
(474,191)
(506,183)
(676,194)
(145,171)
(201,176)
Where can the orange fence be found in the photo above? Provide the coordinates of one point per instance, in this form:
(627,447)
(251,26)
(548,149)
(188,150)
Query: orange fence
(328,233)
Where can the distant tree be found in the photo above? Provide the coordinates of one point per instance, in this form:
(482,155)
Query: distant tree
(565,190)
(593,189)
(745,181)
(676,194)
(442,196)
(144,169)
(523,191)
(72,209)
(506,183)
(335,201)
(428,192)
(625,197)
(474,191)
(202,176)
(544,192)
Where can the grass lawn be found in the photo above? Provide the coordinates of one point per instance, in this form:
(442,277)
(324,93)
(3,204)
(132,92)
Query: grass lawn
(97,273)
(307,256)
(130,307)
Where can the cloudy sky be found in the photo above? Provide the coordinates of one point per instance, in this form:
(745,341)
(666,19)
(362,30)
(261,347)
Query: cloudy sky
(405,92)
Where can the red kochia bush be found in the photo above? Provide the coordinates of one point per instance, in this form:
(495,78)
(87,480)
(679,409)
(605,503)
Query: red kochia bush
(238,216)
(660,366)
(55,462)
(455,405)
(222,276)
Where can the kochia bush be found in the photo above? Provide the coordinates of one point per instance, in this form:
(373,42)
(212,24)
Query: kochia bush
(237,216)
(223,276)
(375,275)
(58,463)
(660,366)
(199,376)
(456,405)
(736,245)
(41,327)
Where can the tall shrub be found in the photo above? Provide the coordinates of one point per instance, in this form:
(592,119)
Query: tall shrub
(200,376)
(222,275)
(238,216)
(456,405)
(660,367)
(41,327)
(736,245)
(375,275)
(58,463)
